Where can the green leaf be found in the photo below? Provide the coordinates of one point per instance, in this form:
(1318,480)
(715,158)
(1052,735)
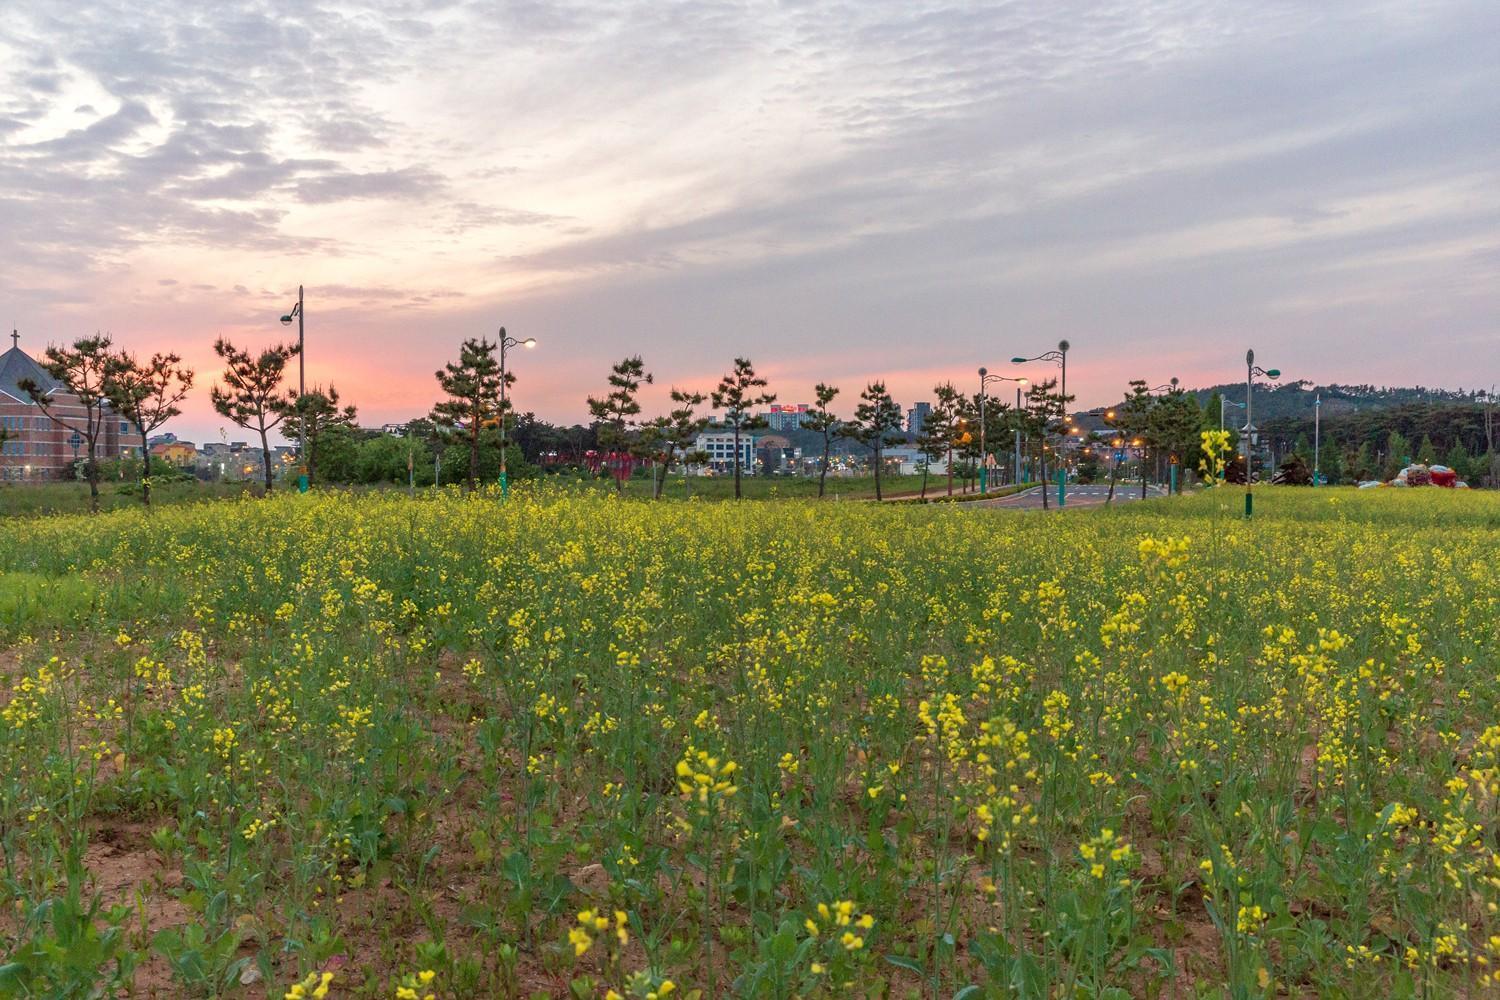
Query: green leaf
(909,964)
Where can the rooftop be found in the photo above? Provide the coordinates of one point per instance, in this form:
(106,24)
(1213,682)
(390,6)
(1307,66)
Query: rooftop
(16,366)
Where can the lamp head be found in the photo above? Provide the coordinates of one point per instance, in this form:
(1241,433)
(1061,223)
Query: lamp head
(1023,381)
(1273,373)
(286,321)
(983,371)
(529,342)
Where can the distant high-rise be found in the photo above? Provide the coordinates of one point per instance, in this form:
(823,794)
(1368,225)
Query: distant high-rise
(786,416)
(916,417)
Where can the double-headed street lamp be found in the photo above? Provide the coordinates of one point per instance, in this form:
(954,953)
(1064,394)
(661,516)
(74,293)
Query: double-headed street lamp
(985,378)
(1061,357)
(1251,370)
(505,344)
(296,311)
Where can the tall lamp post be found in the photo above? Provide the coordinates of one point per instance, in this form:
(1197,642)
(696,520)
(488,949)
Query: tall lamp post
(1223,403)
(1061,357)
(505,344)
(1317,435)
(1250,372)
(286,320)
(985,378)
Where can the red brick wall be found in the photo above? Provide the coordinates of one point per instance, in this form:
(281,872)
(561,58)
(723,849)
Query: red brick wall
(43,442)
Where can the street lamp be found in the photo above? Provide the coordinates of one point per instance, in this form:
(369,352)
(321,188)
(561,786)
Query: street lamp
(1061,357)
(1317,434)
(985,378)
(296,311)
(1251,370)
(506,343)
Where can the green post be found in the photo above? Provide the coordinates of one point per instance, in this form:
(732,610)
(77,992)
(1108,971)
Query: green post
(302,483)
(1062,493)
(1173,487)
(504,485)
(984,480)
(1247,503)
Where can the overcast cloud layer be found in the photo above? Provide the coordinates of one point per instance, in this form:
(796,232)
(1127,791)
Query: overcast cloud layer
(843,191)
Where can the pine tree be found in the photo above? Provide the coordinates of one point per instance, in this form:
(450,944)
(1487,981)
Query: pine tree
(83,370)
(940,429)
(1426,451)
(1397,455)
(876,421)
(314,416)
(738,393)
(473,388)
(616,412)
(821,420)
(1458,459)
(147,396)
(251,394)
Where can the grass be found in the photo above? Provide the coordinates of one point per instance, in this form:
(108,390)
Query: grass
(571,744)
(33,499)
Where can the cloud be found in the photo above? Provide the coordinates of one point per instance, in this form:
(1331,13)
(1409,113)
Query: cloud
(895,185)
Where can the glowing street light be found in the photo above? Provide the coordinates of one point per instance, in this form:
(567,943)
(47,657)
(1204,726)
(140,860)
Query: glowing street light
(506,343)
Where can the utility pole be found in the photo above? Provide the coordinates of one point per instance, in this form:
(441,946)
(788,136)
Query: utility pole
(1317,436)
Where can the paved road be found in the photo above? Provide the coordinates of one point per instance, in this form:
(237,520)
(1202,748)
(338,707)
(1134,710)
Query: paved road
(1078,496)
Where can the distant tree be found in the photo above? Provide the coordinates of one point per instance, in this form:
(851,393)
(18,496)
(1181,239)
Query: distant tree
(1363,467)
(1397,454)
(1331,464)
(473,388)
(83,370)
(739,391)
(1134,416)
(311,416)
(1045,407)
(616,412)
(876,421)
(147,396)
(966,440)
(682,426)
(386,458)
(251,394)
(821,420)
(337,453)
(1302,446)
(1427,451)
(1173,427)
(940,430)
(1458,460)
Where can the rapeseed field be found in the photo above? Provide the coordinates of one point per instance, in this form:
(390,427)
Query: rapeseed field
(567,745)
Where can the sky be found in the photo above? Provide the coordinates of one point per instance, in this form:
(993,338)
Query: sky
(843,191)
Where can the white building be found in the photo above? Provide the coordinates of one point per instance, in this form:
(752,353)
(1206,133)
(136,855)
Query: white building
(719,446)
(911,460)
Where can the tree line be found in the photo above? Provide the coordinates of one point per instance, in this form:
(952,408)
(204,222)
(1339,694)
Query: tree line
(463,435)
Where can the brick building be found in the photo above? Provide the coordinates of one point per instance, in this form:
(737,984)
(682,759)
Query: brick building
(37,446)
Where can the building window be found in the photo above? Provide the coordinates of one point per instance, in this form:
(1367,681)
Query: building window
(15,448)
